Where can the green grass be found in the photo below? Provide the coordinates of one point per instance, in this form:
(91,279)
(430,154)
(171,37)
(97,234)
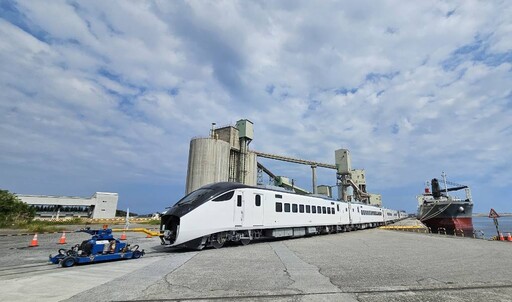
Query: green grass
(39,226)
(43,228)
(150,222)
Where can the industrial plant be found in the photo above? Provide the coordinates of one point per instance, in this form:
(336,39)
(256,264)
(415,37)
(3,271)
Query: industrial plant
(225,156)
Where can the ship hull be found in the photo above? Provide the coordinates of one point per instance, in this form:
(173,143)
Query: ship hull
(449,218)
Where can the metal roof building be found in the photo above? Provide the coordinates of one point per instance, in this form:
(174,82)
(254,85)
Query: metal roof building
(99,205)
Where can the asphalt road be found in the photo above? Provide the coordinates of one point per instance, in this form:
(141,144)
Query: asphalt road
(370,265)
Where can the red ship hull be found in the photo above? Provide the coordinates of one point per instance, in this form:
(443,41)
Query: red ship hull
(459,225)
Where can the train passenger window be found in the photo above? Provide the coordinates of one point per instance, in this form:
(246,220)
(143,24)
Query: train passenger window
(313,209)
(239,200)
(333,212)
(279,196)
(357,209)
(224,197)
(301,208)
(319,209)
(324,210)
(308,209)
(257,200)
(338,207)
(279,207)
(329,210)
(287,207)
(294,208)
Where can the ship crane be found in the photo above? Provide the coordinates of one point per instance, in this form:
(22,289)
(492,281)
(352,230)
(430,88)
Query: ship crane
(437,190)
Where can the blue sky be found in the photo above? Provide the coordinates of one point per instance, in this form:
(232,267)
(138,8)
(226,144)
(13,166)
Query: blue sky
(105,96)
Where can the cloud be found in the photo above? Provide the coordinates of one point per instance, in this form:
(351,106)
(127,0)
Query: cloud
(107,95)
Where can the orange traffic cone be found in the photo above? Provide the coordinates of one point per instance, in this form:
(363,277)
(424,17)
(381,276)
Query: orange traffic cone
(123,236)
(62,239)
(509,238)
(34,243)
(149,236)
(501,237)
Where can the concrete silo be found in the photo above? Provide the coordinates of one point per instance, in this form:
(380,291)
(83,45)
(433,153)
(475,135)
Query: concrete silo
(208,162)
(224,156)
(251,169)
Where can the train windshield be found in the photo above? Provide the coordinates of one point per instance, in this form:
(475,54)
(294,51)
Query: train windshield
(198,197)
(200,194)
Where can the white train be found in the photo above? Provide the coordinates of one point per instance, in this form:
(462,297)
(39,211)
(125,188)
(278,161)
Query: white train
(227,211)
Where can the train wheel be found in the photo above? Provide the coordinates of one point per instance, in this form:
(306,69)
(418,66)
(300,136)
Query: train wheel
(245,241)
(217,240)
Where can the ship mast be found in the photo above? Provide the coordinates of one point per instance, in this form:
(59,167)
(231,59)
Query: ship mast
(444,180)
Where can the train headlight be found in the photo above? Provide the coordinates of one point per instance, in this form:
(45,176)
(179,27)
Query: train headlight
(461,209)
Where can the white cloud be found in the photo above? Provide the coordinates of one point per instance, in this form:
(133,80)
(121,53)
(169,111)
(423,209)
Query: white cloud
(114,91)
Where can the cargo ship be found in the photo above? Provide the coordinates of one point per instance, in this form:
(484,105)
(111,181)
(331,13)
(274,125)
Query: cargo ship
(443,213)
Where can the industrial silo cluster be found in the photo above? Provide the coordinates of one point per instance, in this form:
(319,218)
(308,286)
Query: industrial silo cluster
(223,156)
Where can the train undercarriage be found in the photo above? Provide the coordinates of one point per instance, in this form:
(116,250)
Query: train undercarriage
(245,236)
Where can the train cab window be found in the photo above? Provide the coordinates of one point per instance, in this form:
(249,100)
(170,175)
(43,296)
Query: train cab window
(287,207)
(294,208)
(301,208)
(257,200)
(239,200)
(338,207)
(224,197)
(319,209)
(313,209)
(329,210)
(279,207)
(308,209)
(324,210)
(333,212)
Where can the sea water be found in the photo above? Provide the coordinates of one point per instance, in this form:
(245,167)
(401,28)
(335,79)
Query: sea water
(486,225)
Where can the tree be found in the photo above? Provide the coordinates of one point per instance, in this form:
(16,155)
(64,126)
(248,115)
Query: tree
(13,210)
(121,213)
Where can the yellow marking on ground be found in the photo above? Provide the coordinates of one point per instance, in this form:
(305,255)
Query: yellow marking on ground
(401,227)
(142,230)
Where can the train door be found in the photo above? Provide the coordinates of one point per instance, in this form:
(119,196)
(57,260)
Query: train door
(258,210)
(239,209)
(350,213)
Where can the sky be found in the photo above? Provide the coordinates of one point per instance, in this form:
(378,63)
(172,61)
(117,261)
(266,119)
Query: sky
(105,96)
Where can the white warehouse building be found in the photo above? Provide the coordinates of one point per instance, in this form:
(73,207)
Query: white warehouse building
(99,205)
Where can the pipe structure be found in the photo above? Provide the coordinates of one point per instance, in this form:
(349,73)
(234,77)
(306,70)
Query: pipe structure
(313,176)
(294,160)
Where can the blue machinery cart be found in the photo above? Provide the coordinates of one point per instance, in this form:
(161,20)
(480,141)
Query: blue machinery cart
(101,247)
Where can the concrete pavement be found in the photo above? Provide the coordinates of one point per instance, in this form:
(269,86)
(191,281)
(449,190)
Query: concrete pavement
(369,265)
